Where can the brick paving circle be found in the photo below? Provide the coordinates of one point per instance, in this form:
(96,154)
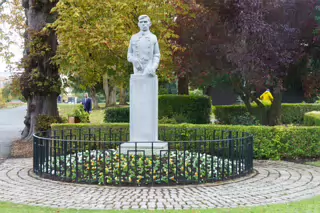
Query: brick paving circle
(273,182)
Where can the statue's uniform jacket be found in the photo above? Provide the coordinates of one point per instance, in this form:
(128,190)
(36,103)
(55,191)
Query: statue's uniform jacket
(144,46)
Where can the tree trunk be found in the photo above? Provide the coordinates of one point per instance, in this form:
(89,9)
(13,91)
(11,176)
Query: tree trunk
(94,98)
(183,85)
(122,96)
(274,116)
(40,82)
(109,91)
(207,91)
(38,105)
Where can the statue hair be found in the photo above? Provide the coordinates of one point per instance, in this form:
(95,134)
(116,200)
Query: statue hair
(143,17)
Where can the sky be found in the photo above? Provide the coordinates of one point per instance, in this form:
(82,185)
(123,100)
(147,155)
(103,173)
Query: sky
(15,49)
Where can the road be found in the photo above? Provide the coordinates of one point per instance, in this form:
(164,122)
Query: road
(11,125)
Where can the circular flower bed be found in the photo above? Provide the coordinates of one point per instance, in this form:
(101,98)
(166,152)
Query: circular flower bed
(110,167)
(95,156)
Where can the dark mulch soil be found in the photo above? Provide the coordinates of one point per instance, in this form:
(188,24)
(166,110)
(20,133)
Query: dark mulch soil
(21,149)
(304,160)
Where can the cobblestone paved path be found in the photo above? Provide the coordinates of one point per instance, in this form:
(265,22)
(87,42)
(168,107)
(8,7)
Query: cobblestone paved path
(273,182)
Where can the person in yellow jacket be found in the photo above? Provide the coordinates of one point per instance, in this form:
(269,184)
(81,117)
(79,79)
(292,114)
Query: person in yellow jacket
(266,96)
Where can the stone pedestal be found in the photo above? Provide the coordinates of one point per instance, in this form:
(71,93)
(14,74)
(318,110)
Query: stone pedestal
(143,108)
(143,114)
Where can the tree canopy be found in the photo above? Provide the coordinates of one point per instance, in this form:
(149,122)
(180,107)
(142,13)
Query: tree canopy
(253,42)
(94,36)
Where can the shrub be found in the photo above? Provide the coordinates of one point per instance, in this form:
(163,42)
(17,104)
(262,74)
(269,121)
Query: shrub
(193,109)
(166,120)
(276,142)
(294,113)
(117,115)
(312,118)
(246,119)
(181,108)
(43,122)
(291,113)
(80,114)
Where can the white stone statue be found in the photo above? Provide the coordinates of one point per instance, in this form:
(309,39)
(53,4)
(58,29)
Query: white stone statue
(144,52)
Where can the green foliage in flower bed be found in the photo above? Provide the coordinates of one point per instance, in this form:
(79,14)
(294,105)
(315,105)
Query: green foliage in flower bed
(312,118)
(290,114)
(110,167)
(278,142)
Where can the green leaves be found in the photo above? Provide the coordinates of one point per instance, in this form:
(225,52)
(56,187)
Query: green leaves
(94,36)
(12,27)
(111,167)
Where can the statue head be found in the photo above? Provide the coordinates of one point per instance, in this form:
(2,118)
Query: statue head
(144,22)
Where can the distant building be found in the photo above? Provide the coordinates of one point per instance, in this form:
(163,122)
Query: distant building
(4,81)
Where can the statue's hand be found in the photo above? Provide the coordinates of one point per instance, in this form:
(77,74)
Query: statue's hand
(149,71)
(137,64)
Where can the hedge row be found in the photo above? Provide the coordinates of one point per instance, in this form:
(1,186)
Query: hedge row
(185,108)
(291,113)
(276,142)
(312,118)
(117,115)
(182,108)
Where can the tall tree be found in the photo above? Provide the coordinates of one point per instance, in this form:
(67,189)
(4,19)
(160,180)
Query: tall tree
(266,40)
(199,34)
(40,82)
(94,38)
(254,42)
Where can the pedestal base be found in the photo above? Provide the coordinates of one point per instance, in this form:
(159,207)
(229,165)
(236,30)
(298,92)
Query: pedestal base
(147,149)
(143,108)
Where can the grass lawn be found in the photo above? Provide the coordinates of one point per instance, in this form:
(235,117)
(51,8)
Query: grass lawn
(12,105)
(310,206)
(95,117)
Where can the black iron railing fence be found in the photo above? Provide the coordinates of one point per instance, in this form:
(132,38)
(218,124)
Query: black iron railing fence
(94,156)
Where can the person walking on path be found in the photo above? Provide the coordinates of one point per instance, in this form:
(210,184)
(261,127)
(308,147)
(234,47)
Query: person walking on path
(87,103)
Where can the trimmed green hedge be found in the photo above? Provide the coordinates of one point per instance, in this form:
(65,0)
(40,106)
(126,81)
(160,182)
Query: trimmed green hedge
(276,142)
(117,115)
(185,108)
(291,113)
(312,118)
(182,108)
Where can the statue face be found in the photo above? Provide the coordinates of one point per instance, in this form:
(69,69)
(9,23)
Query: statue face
(144,24)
